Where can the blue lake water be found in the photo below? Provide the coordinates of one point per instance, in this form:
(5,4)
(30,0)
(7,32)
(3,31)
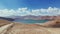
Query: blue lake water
(31,21)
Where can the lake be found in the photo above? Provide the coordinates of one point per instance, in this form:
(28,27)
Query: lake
(29,21)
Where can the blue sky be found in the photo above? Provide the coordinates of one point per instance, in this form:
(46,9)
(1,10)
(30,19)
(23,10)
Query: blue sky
(29,7)
(32,4)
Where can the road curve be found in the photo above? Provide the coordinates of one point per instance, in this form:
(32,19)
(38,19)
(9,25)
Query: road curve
(4,28)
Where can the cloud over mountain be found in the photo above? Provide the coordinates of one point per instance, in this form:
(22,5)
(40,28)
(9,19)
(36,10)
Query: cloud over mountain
(25,11)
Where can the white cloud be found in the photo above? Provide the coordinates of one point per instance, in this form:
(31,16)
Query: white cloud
(25,11)
(6,12)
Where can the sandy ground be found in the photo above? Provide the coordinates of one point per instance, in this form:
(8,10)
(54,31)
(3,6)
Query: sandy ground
(54,30)
(17,28)
(32,29)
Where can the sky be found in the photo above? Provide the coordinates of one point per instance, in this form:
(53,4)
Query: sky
(29,7)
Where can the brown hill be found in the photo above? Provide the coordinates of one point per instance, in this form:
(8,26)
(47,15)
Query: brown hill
(53,23)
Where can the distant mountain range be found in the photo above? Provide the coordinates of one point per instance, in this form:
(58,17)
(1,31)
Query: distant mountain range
(12,18)
(36,17)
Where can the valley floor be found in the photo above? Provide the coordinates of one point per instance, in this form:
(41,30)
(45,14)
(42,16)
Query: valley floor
(16,28)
